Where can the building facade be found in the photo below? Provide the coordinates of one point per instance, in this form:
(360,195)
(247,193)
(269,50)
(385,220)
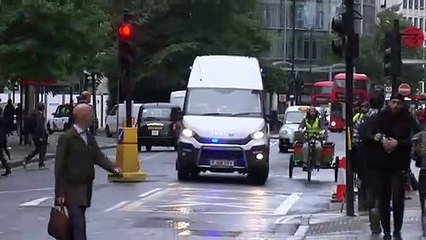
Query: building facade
(312,28)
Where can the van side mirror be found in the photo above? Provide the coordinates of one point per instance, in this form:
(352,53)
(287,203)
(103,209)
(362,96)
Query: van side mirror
(176,114)
(53,114)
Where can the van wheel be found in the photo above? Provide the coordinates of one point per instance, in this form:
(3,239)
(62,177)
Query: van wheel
(259,176)
(182,175)
(148,148)
(107,131)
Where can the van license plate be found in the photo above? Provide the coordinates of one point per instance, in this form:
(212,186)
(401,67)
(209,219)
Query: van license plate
(154,132)
(221,163)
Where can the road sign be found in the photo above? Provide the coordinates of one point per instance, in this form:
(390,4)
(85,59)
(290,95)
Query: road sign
(413,37)
(404,89)
(120,135)
(282,97)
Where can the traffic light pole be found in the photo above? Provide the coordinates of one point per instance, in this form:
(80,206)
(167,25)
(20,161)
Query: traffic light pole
(349,58)
(396,36)
(128,96)
(93,75)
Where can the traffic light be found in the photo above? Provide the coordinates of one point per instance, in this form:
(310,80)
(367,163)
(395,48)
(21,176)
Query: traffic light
(338,44)
(126,45)
(392,54)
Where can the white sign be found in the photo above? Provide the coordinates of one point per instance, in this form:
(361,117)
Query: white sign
(282,97)
(388,96)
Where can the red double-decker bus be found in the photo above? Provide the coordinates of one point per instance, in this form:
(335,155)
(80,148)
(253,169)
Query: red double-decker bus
(321,92)
(361,85)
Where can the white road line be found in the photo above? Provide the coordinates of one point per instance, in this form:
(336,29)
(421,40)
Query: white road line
(301,231)
(116,206)
(172,184)
(150,192)
(34,202)
(287,204)
(26,190)
(142,158)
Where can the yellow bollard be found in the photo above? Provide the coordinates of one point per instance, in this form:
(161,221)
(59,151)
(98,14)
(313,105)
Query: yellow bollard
(127,157)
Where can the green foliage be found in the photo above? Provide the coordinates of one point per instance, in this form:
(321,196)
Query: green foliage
(172,33)
(370,61)
(50,39)
(274,78)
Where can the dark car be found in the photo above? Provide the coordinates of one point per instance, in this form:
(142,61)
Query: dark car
(158,125)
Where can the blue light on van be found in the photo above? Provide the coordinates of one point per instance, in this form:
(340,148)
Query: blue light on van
(215,140)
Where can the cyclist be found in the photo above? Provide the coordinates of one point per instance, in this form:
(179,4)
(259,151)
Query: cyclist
(314,125)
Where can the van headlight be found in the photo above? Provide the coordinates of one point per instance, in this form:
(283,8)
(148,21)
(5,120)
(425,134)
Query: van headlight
(258,135)
(188,133)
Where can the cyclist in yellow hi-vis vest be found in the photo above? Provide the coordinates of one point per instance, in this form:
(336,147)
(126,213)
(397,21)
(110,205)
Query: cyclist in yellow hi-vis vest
(313,125)
(362,111)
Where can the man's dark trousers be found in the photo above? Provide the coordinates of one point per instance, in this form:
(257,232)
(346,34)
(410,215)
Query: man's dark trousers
(77,216)
(40,148)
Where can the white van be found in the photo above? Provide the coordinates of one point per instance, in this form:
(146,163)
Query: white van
(117,115)
(178,98)
(224,127)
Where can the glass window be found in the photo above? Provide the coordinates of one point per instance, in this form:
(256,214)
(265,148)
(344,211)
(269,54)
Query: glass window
(113,111)
(416,4)
(306,49)
(421,21)
(156,113)
(416,22)
(404,4)
(357,84)
(422,4)
(271,14)
(410,4)
(314,50)
(319,90)
(410,19)
(224,102)
(338,110)
(294,117)
(62,111)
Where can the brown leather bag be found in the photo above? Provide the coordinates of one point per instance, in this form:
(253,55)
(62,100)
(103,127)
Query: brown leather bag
(59,225)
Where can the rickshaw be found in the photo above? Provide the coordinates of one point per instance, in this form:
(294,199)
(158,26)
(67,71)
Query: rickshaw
(328,161)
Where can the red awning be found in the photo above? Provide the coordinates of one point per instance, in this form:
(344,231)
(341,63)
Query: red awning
(41,82)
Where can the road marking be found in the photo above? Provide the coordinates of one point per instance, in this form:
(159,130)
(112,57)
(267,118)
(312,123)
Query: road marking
(26,190)
(146,194)
(172,184)
(266,214)
(301,231)
(144,197)
(34,202)
(287,204)
(116,206)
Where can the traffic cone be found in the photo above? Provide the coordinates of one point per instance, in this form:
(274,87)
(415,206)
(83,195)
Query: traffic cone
(341,181)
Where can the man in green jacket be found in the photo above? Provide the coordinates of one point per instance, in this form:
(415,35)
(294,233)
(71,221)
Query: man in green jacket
(76,154)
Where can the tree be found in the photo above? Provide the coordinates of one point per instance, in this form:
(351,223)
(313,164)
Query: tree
(370,61)
(49,39)
(274,78)
(172,33)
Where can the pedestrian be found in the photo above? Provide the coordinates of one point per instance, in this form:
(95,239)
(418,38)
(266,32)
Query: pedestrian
(76,154)
(393,129)
(368,152)
(9,112)
(37,124)
(3,145)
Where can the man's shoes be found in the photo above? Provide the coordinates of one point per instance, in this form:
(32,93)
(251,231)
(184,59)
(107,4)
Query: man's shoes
(6,173)
(387,237)
(42,166)
(397,236)
(24,164)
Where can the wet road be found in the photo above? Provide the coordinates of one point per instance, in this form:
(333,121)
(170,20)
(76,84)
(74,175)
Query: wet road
(214,207)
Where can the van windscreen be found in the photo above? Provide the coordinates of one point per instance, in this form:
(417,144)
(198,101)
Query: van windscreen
(227,102)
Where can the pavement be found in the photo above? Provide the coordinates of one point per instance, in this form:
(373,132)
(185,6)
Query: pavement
(18,152)
(215,206)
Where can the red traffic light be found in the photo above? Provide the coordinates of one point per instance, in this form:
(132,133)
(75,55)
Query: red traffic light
(125,30)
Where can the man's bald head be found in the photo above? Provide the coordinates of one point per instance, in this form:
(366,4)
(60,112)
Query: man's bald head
(83,115)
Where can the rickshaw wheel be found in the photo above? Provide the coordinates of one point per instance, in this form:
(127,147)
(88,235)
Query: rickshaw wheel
(336,169)
(291,166)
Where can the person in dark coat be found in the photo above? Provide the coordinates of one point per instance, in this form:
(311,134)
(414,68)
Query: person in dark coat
(76,154)
(9,112)
(3,145)
(39,136)
(392,130)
